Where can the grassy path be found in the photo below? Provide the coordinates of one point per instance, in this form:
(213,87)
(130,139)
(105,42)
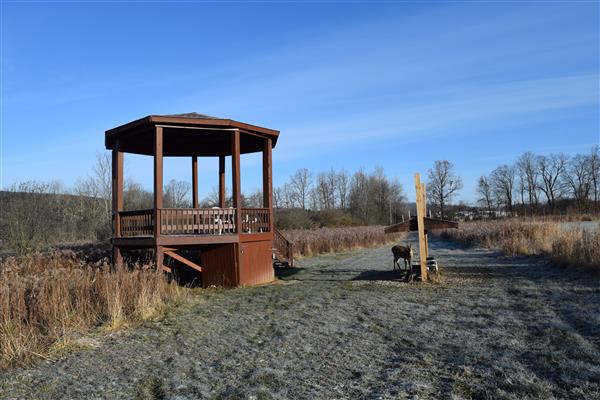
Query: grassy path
(343,326)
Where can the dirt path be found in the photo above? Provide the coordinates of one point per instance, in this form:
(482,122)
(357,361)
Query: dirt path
(496,328)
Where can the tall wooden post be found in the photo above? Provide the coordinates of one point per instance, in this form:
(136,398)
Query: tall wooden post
(424,195)
(421,226)
(268,181)
(195,182)
(117,202)
(222,181)
(235,179)
(158,192)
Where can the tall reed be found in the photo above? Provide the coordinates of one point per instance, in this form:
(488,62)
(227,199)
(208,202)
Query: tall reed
(308,242)
(574,247)
(47,298)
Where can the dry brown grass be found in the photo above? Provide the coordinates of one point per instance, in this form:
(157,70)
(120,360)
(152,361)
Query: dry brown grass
(578,248)
(510,236)
(47,300)
(308,242)
(575,247)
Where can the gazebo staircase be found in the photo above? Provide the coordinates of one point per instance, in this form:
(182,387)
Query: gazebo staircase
(283,250)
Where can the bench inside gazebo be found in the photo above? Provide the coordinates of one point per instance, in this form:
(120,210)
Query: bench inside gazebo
(235,245)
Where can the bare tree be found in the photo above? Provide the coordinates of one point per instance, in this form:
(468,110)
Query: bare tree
(300,185)
(442,184)
(289,200)
(102,175)
(135,197)
(503,179)
(324,191)
(278,198)
(359,195)
(342,187)
(176,194)
(552,168)
(594,160)
(484,189)
(578,178)
(95,195)
(254,199)
(528,170)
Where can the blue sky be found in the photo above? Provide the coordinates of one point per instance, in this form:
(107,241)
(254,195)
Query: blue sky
(348,84)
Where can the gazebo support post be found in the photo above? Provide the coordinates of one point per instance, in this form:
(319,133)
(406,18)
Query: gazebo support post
(222,181)
(195,182)
(158,192)
(267,181)
(236,195)
(117,203)
(235,179)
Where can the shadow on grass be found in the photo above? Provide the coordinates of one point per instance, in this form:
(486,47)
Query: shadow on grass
(374,275)
(286,272)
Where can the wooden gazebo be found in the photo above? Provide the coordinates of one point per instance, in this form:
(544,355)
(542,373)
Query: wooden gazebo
(232,245)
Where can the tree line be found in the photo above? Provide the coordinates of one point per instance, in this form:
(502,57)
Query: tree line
(362,198)
(547,184)
(34,214)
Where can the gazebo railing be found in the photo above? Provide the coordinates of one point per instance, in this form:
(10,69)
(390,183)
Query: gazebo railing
(137,222)
(197,221)
(255,220)
(193,221)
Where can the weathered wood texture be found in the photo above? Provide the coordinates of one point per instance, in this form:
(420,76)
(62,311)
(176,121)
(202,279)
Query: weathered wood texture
(222,181)
(195,182)
(421,226)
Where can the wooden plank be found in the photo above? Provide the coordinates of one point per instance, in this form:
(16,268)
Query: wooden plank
(268,180)
(135,241)
(159,256)
(222,181)
(186,240)
(421,226)
(235,178)
(236,194)
(158,177)
(195,182)
(117,189)
(184,260)
(424,195)
(167,269)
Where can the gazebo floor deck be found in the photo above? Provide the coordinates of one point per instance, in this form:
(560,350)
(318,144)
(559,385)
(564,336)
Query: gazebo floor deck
(189,239)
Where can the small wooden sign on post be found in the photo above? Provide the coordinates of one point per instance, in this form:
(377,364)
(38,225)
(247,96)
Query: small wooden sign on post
(420,191)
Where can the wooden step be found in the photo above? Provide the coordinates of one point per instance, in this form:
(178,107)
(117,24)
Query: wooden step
(183,260)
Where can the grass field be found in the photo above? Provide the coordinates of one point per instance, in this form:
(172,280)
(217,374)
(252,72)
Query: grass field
(344,326)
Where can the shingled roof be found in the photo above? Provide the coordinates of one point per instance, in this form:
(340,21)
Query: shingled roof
(190,115)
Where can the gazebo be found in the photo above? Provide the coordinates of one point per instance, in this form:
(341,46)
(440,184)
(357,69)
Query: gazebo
(231,245)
